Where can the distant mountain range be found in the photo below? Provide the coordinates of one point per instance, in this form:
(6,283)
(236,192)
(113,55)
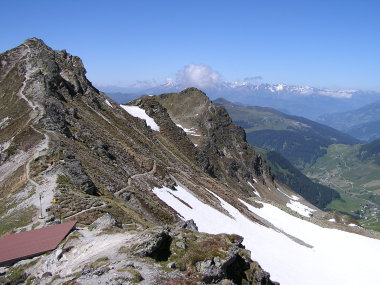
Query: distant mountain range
(306,101)
(300,140)
(362,123)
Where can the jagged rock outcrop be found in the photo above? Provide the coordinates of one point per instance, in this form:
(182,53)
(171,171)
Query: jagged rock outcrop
(216,258)
(156,247)
(219,146)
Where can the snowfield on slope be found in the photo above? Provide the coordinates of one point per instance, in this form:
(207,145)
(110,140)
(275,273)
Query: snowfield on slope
(191,131)
(300,208)
(138,112)
(332,257)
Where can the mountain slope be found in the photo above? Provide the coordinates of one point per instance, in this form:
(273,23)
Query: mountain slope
(298,139)
(71,144)
(371,151)
(362,123)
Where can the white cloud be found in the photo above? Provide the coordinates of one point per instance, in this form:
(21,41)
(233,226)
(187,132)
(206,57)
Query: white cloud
(198,75)
(337,93)
(253,79)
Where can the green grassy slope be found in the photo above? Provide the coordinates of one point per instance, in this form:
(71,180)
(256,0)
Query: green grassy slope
(354,171)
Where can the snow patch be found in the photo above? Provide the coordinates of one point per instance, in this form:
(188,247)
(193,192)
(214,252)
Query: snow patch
(254,190)
(6,145)
(191,131)
(300,208)
(284,193)
(279,87)
(138,112)
(332,221)
(108,103)
(293,197)
(4,122)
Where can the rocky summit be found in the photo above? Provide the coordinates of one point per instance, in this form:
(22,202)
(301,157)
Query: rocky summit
(165,189)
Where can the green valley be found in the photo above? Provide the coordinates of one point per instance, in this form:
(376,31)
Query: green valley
(354,171)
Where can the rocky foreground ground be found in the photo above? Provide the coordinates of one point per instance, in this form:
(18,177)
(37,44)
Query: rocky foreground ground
(107,252)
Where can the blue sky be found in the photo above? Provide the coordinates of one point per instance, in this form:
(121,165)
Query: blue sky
(333,44)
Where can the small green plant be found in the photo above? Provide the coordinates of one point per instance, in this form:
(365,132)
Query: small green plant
(199,249)
(63,181)
(17,274)
(100,262)
(123,249)
(54,278)
(136,275)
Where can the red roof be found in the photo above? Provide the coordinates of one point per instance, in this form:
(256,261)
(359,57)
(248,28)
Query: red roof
(27,244)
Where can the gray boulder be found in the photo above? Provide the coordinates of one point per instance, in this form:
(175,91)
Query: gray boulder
(188,225)
(156,247)
(106,221)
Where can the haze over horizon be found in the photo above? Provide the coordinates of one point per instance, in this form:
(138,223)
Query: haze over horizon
(327,44)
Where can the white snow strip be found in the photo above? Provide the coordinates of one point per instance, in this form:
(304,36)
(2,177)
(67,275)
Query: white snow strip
(284,193)
(254,180)
(300,208)
(336,256)
(352,225)
(295,198)
(4,122)
(332,221)
(191,131)
(108,103)
(138,112)
(254,190)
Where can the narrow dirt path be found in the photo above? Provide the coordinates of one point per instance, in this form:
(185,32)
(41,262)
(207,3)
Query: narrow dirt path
(86,210)
(35,116)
